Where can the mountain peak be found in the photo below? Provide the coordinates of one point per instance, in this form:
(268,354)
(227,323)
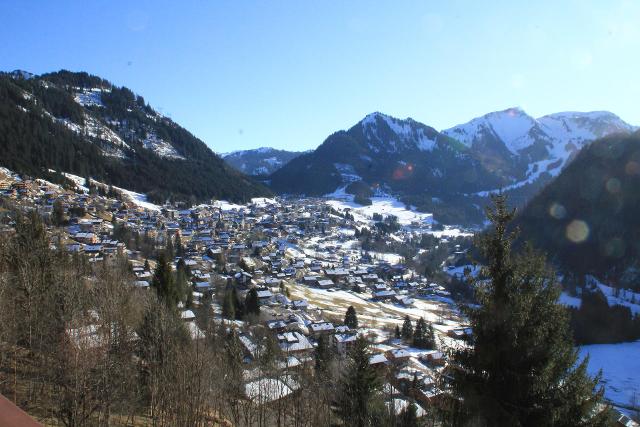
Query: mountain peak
(21,74)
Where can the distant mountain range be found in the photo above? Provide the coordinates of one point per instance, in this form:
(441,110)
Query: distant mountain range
(587,219)
(451,172)
(259,161)
(82,124)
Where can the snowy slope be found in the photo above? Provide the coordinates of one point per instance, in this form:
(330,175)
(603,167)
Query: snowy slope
(512,126)
(620,366)
(386,133)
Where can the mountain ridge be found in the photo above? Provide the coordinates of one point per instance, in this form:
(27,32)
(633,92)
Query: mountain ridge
(259,161)
(79,123)
(450,170)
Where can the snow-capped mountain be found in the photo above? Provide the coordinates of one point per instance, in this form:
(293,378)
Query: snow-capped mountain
(449,171)
(259,161)
(388,134)
(536,146)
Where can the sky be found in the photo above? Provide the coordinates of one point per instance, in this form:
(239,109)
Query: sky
(286,74)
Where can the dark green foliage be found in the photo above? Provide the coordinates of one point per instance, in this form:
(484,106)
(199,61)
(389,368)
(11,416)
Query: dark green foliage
(358,387)
(251,303)
(601,187)
(361,191)
(407,329)
(323,354)
(520,368)
(182,283)
(57,215)
(31,142)
(231,306)
(177,244)
(595,322)
(164,282)
(423,335)
(351,318)
(409,416)
(169,251)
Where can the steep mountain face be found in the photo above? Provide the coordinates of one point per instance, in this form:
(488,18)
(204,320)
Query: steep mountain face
(388,155)
(451,172)
(78,123)
(260,161)
(587,218)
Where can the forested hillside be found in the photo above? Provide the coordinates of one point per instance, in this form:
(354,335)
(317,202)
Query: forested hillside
(587,219)
(78,123)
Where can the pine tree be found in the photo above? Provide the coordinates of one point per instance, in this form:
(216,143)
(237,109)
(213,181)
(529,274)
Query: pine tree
(409,416)
(57,216)
(358,388)
(407,329)
(228,304)
(520,366)
(431,337)
(164,283)
(323,355)
(178,246)
(423,335)
(251,302)
(351,318)
(182,282)
(169,251)
(398,334)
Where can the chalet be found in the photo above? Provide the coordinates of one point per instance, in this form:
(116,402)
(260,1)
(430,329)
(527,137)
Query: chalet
(459,333)
(325,284)
(310,280)
(278,326)
(398,355)
(294,342)
(344,342)
(383,295)
(378,360)
(435,358)
(301,304)
(264,296)
(321,328)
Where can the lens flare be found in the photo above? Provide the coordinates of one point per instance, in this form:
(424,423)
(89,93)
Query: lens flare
(577,231)
(632,168)
(615,248)
(613,185)
(557,211)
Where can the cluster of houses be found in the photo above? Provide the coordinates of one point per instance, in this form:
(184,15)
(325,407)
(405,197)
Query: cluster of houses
(265,245)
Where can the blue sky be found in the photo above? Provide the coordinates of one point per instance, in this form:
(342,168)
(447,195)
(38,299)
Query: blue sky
(244,74)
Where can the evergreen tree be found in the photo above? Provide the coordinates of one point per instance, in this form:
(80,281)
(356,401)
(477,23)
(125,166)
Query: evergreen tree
(147,267)
(251,302)
(182,282)
(520,366)
(57,215)
(169,251)
(358,388)
(178,246)
(409,416)
(228,303)
(164,283)
(323,355)
(407,329)
(351,318)
(398,334)
(423,336)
